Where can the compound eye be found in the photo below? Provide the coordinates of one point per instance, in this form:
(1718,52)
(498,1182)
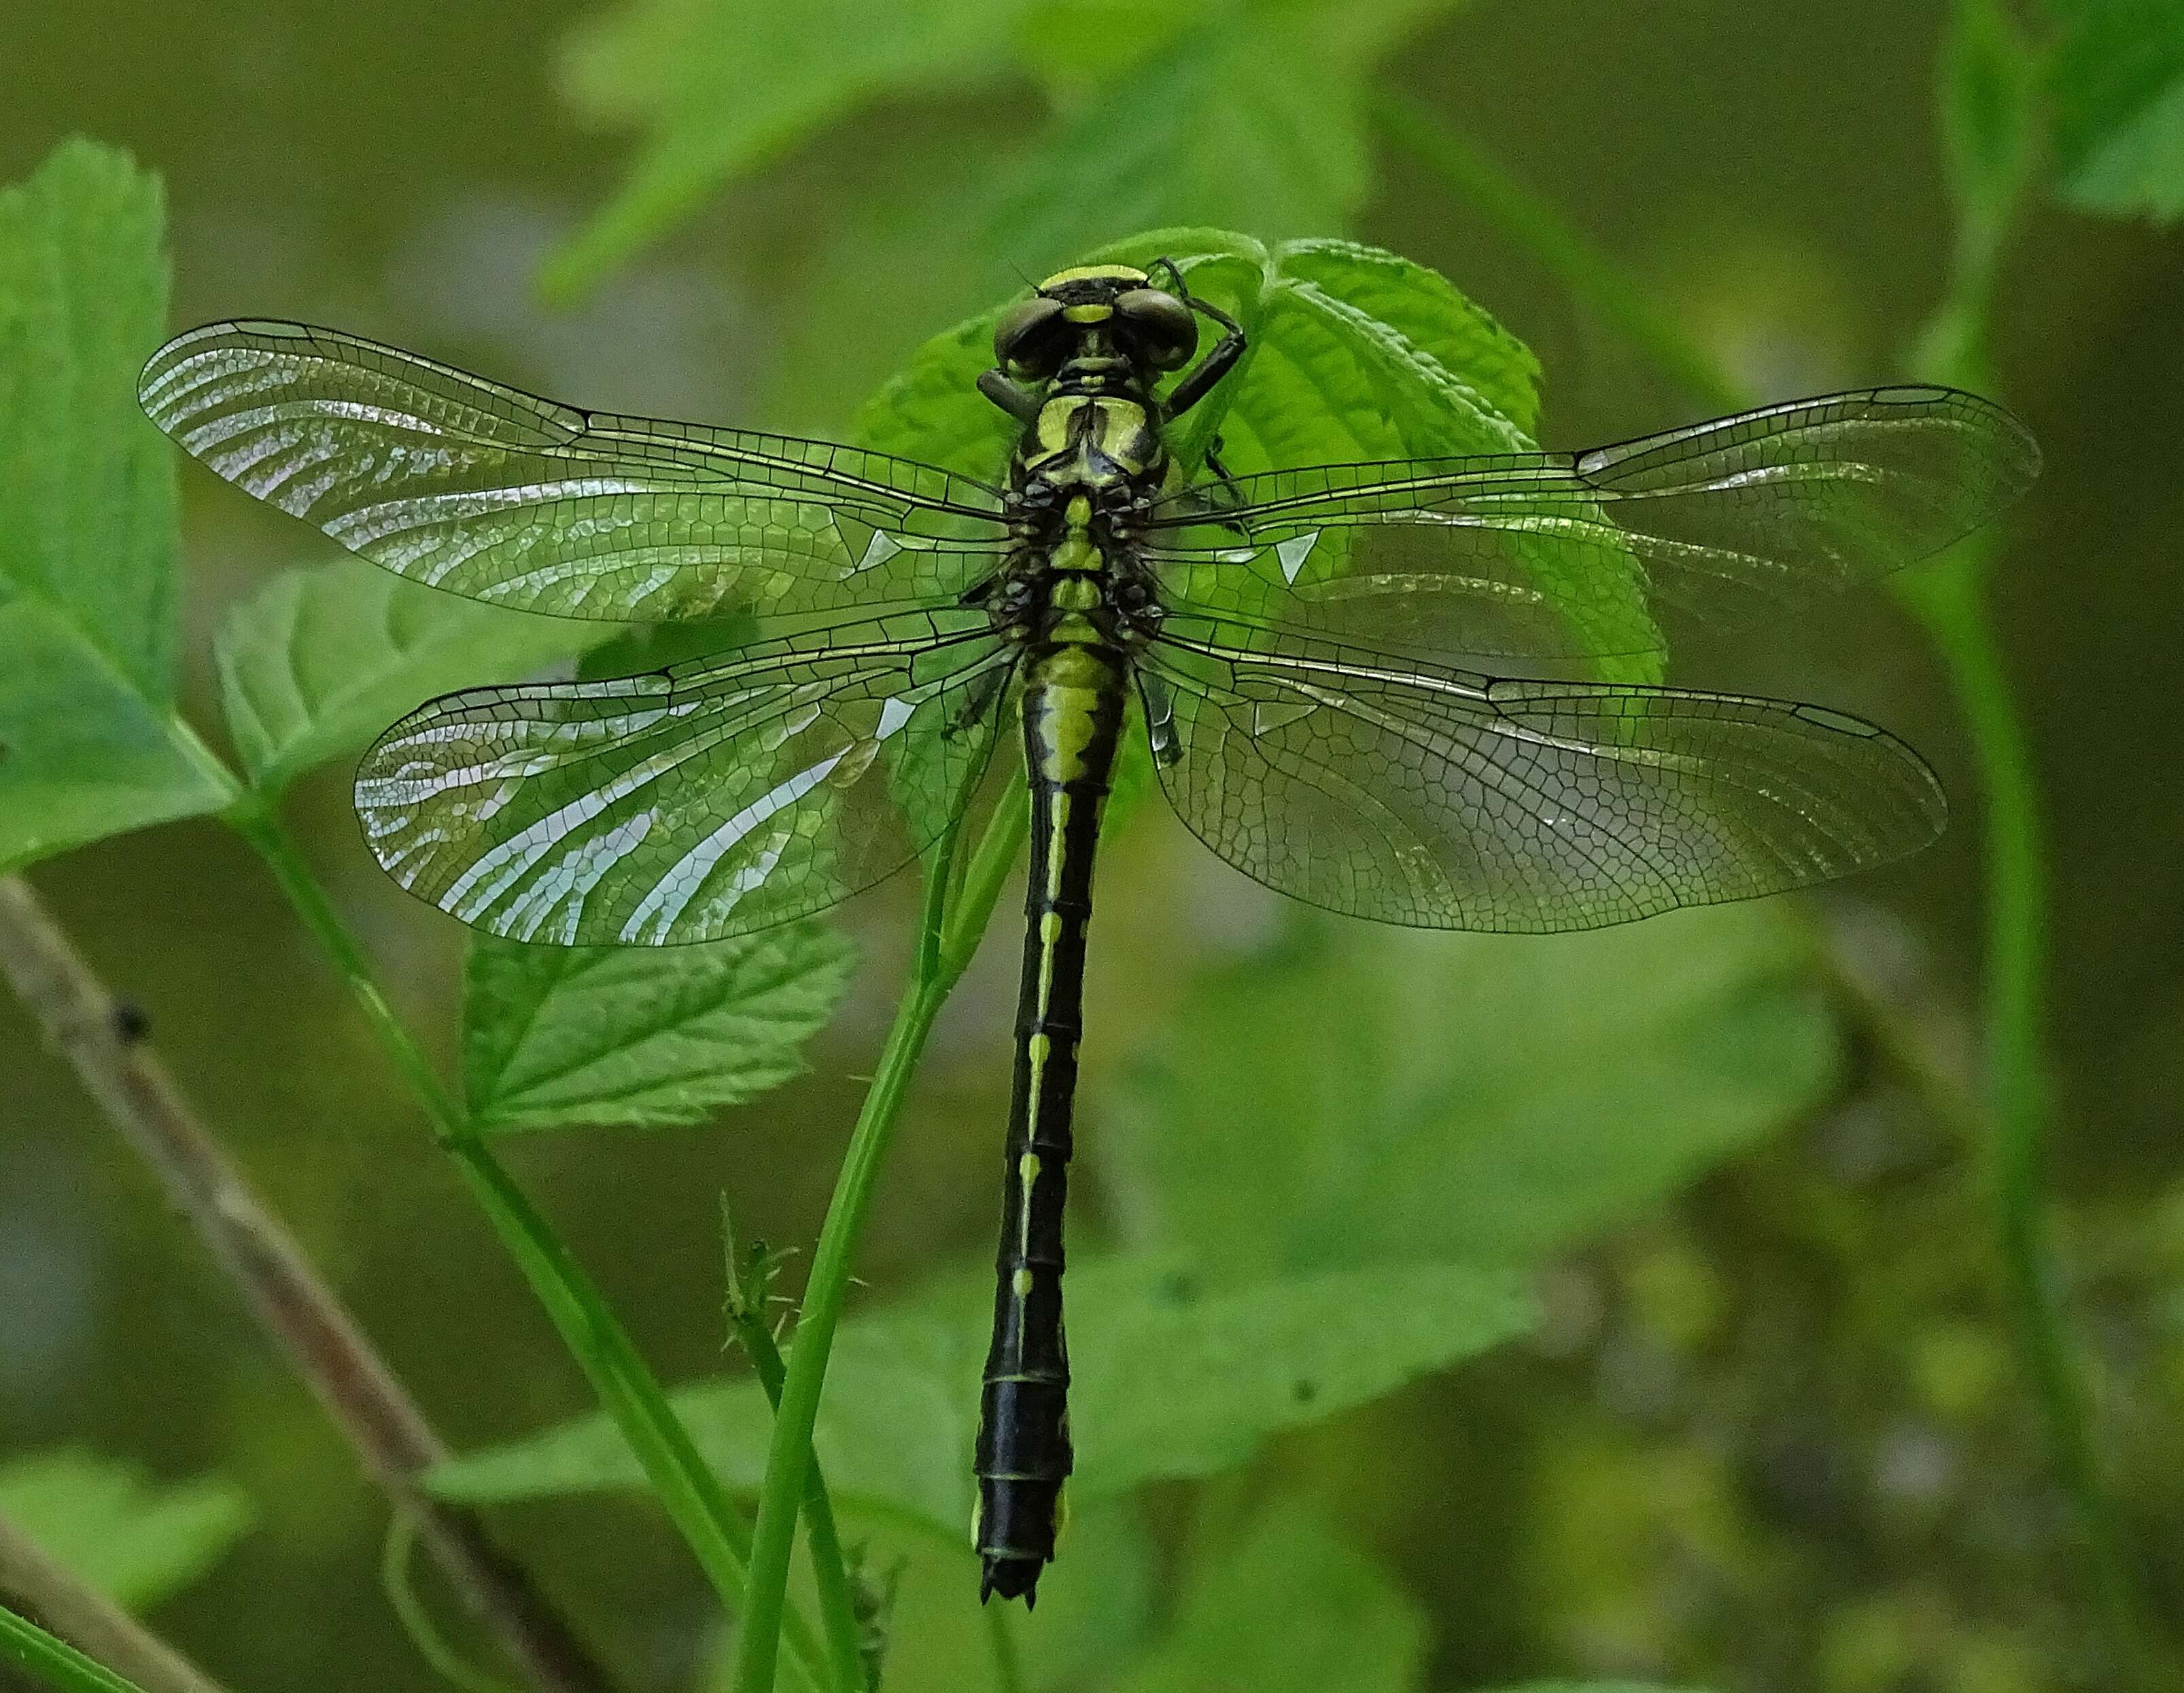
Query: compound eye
(1165,328)
(1032,338)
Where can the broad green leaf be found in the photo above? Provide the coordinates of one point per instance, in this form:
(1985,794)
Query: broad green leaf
(642,1036)
(1292,1610)
(1190,117)
(1169,1381)
(89,745)
(1354,353)
(1218,127)
(725,85)
(2117,81)
(319,661)
(135,1541)
(1191,110)
(1483,1097)
(655,646)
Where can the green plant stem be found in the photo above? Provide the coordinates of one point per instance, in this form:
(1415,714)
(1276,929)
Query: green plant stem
(441,1656)
(55,1662)
(1947,600)
(393,1442)
(837,1610)
(947,938)
(692,1494)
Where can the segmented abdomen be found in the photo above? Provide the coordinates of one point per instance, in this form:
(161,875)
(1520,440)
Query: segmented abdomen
(1074,699)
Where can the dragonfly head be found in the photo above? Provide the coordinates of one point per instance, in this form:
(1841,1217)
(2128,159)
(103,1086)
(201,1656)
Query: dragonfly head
(1150,326)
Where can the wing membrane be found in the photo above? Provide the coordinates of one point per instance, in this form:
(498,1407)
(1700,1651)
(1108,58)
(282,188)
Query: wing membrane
(1443,800)
(1575,555)
(497,495)
(708,799)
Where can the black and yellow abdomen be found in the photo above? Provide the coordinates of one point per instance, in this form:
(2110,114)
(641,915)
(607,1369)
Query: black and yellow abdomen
(1073,701)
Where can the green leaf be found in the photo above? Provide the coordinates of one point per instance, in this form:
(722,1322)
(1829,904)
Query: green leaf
(1292,1608)
(136,1542)
(2117,81)
(1188,111)
(1483,1097)
(89,745)
(725,85)
(1354,353)
(1170,1381)
(642,1036)
(655,646)
(319,661)
(53,1660)
(1217,127)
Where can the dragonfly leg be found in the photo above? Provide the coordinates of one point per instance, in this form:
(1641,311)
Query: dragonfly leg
(1215,365)
(1013,397)
(1226,479)
(976,702)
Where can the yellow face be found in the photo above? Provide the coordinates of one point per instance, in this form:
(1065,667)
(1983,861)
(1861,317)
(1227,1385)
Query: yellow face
(1127,276)
(1117,277)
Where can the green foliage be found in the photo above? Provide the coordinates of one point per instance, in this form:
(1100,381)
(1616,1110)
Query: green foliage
(1989,83)
(1990,88)
(56,1662)
(642,1036)
(2117,81)
(1171,1381)
(1096,1608)
(113,1529)
(1479,1098)
(1291,1608)
(725,85)
(1354,353)
(1157,114)
(319,661)
(89,746)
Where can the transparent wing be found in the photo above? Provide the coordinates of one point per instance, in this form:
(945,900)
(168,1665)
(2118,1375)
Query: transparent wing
(1574,555)
(1445,800)
(708,799)
(497,495)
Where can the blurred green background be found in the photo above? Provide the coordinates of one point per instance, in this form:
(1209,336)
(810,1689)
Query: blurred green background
(1772,1433)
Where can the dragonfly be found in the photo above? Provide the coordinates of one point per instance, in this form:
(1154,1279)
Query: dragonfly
(1344,673)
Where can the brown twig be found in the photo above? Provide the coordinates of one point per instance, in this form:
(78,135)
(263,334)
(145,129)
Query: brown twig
(35,1586)
(105,1039)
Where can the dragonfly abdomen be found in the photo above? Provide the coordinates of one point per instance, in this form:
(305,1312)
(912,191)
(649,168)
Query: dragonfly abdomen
(1074,699)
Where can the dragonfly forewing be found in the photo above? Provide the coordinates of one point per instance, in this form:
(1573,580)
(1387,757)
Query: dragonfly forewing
(487,492)
(1607,553)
